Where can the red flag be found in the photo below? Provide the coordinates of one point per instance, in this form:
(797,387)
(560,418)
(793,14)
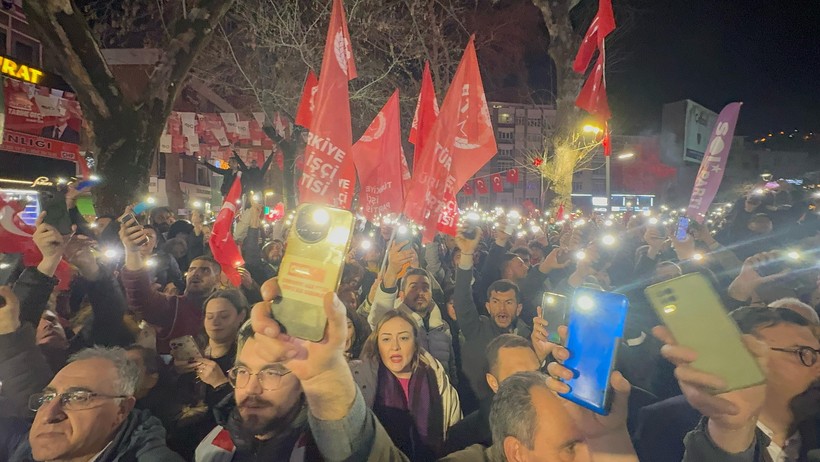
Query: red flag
(468,188)
(223,246)
(593,95)
(481,186)
(602,25)
(16,237)
(425,115)
(497,185)
(460,143)
(607,142)
(329,176)
(377,156)
(304,113)
(512,176)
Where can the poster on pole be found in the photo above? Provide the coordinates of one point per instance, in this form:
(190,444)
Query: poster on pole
(713,164)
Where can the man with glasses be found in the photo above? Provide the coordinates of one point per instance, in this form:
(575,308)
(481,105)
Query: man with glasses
(266,416)
(86,413)
(793,374)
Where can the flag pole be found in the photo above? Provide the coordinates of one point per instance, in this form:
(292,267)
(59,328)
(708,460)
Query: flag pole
(389,245)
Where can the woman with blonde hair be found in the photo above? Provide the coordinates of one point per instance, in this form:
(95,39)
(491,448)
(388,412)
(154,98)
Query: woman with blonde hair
(407,389)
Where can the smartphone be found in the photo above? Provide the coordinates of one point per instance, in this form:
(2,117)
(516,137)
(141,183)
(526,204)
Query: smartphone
(10,267)
(403,235)
(554,310)
(682,229)
(129,217)
(184,349)
(312,266)
(594,332)
(53,203)
(694,313)
(513,220)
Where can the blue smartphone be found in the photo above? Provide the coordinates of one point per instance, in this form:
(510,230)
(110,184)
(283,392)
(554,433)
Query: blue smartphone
(595,328)
(683,229)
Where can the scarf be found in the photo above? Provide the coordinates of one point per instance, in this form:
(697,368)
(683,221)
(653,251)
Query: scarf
(415,427)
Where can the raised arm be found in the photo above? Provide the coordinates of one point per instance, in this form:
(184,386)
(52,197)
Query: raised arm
(156,308)
(242,166)
(267,163)
(385,297)
(468,318)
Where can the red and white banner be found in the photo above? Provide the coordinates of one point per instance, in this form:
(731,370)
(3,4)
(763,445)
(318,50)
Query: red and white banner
(41,121)
(329,175)
(304,114)
(378,158)
(498,186)
(512,176)
(460,143)
(481,186)
(425,115)
(468,188)
(223,247)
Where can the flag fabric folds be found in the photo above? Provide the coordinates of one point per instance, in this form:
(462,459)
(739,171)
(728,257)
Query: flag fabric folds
(498,186)
(460,143)
(223,247)
(329,176)
(512,176)
(304,113)
(425,116)
(592,97)
(378,159)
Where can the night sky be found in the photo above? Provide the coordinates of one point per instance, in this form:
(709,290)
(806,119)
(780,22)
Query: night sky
(764,53)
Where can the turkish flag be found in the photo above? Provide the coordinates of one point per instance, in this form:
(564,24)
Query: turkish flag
(468,188)
(498,186)
(481,186)
(378,158)
(329,176)
(425,115)
(460,143)
(223,247)
(602,25)
(304,113)
(16,237)
(512,176)
(592,97)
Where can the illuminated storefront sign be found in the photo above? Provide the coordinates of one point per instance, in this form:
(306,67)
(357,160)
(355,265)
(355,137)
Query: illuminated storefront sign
(20,71)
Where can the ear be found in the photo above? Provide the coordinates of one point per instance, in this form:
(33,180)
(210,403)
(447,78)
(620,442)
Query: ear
(512,450)
(126,406)
(492,382)
(518,311)
(487,305)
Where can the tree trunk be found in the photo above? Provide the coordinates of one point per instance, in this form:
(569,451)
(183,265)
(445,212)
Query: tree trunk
(173,178)
(124,170)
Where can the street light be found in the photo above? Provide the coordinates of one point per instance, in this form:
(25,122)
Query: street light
(592,129)
(626,155)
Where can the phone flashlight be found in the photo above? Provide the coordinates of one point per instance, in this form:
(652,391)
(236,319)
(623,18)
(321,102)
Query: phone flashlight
(366,245)
(580,255)
(608,240)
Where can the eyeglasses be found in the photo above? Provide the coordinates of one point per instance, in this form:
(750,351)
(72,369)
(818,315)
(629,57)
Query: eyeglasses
(807,354)
(270,378)
(76,400)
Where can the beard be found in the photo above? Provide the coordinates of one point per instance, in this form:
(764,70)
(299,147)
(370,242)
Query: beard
(256,425)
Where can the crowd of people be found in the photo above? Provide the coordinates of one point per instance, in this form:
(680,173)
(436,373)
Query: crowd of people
(431,352)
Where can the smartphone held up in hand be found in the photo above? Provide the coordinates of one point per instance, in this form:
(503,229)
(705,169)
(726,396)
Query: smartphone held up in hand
(130,220)
(311,267)
(554,310)
(594,332)
(185,349)
(53,203)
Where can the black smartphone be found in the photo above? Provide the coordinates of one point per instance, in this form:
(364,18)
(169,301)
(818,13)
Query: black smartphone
(128,217)
(52,202)
(554,310)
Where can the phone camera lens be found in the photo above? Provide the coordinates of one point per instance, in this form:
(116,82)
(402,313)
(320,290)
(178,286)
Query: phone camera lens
(312,223)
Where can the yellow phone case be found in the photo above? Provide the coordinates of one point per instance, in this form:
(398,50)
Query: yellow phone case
(312,266)
(694,313)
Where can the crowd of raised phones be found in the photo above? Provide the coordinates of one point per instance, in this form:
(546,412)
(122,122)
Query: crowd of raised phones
(441,353)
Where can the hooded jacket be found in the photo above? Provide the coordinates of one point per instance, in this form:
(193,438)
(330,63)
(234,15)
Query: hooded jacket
(141,438)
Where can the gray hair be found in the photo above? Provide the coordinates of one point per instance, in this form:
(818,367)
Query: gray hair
(798,307)
(127,371)
(512,413)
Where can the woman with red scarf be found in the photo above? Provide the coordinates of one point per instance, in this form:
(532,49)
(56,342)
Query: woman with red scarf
(407,389)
